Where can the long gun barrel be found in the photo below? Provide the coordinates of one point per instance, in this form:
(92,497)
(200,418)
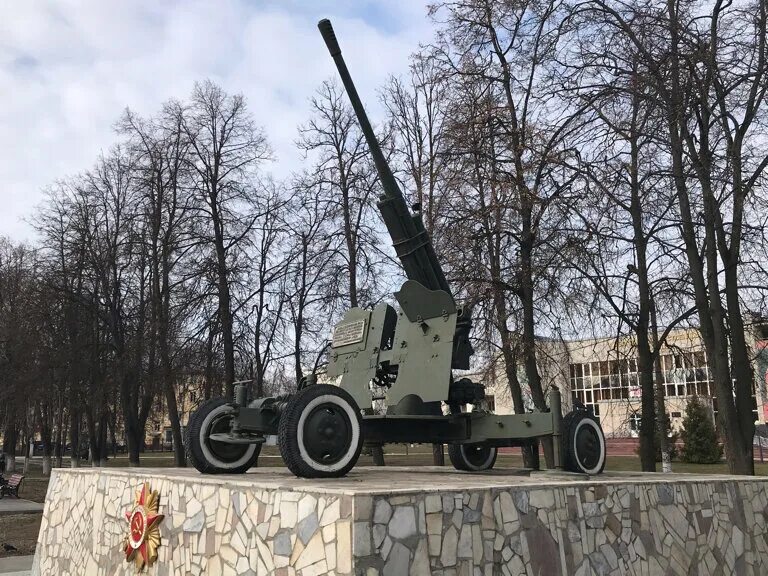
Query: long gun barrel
(409,237)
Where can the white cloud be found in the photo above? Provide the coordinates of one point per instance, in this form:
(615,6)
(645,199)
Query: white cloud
(69,68)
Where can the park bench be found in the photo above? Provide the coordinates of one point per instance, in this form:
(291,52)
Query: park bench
(11,486)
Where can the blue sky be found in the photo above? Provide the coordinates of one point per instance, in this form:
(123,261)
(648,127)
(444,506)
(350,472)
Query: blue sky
(69,67)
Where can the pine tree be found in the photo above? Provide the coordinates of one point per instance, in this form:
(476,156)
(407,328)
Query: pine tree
(699,435)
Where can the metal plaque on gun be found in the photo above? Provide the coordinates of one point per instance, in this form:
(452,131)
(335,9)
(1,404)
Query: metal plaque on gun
(348,333)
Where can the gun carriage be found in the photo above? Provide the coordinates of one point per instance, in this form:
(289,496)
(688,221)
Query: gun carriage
(405,356)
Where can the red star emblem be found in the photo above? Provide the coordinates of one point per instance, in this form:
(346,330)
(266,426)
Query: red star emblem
(143,531)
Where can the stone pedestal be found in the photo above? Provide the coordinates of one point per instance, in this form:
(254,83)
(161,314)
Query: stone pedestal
(402,521)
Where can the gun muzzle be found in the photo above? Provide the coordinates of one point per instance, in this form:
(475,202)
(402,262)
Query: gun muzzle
(326,30)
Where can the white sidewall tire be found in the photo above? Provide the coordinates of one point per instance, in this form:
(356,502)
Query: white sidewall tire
(354,424)
(209,456)
(486,463)
(601,462)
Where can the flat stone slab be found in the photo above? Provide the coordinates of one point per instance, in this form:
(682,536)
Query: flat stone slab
(10,505)
(404,521)
(16,565)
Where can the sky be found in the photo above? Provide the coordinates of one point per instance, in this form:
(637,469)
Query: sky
(68,69)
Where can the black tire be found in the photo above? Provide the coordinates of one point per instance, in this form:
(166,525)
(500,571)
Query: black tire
(320,434)
(216,457)
(472,457)
(583,443)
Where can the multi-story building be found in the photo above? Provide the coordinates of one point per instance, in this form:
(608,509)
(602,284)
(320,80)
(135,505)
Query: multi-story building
(158,435)
(602,373)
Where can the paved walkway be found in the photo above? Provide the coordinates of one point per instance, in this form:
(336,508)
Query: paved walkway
(10,505)
(16,565)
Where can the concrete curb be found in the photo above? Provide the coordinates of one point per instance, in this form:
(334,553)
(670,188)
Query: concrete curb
(10,506)
(16,565)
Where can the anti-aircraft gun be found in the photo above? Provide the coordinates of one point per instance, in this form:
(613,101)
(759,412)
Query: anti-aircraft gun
(403,357)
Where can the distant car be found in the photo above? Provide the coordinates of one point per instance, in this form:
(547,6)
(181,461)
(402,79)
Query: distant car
(83,450)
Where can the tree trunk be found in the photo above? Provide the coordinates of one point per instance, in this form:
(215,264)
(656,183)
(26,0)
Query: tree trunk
(164,300)
(438,455)
(349,233)
(179,456)
(642,324)
(93,448)
(743,377)
(112,431)
(61,434)
(648,411)
(530,452)
(377,452)
(529,332)
(661,407)
(102,439)
(10,440)
(225,303)
(74,432)
(297,333)
(45,437)
(27,447)
(209,357)
(131,427)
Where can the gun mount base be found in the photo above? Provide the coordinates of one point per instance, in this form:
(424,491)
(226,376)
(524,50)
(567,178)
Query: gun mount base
(237,438)
(321,430)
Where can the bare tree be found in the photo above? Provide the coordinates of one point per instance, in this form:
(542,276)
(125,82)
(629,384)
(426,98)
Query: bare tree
(18,333)
(162,148)
(227,148)
(499,52)
(265,297)
(417,108)
(711,88)
(345,180)
(310,280)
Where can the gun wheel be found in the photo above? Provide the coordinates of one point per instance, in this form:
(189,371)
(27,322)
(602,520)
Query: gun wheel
(472,457)
(320,432)
(584,449)
(209,456)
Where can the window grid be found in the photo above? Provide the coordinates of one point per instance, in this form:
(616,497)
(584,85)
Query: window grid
(685,374)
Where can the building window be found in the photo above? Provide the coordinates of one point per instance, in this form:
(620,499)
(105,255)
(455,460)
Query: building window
(686,374)
(634,422)
(490,402)
(168,435)
(594,382)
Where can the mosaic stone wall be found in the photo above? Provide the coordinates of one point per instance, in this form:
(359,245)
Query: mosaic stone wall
(641,526)
(210,527)
(681,528)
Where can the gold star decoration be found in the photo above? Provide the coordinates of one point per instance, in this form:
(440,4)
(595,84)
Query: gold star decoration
(143,538)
